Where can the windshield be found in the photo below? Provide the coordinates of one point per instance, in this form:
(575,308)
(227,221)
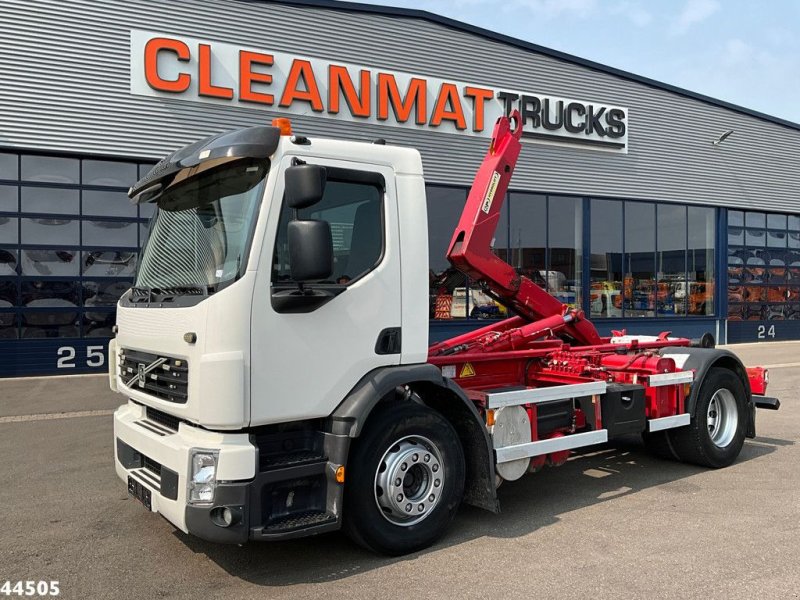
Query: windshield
(200,235)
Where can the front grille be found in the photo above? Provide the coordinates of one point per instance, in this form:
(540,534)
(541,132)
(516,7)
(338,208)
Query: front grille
(151,465)
(163,418)
(164,377)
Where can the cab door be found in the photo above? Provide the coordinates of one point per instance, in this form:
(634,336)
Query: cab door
(303,364)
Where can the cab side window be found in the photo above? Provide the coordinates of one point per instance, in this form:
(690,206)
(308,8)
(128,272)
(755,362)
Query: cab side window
(354,210)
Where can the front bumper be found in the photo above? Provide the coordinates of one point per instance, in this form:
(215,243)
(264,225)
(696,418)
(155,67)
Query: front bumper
(158,458)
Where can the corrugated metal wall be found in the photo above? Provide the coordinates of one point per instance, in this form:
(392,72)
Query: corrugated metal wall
(64,85)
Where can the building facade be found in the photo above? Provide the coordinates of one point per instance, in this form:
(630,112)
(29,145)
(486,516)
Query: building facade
(629,200)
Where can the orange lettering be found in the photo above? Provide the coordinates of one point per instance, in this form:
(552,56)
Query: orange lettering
(479,96)
(389,94)
(247,76)
(205,87)
(302,69)
(154,80)
(339,82)
(448,95)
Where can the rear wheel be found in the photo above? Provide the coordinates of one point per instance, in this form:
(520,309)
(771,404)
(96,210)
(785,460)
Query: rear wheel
(405,480)
(715,436)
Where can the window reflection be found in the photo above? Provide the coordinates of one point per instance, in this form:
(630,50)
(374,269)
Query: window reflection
(108,204)
(605,259)
(639,285)
(108,173)
(50,169)
(109,263)
(8,198)
(98,324)
(9,166)
(110,233)
(565,244)
(50,294)
(700,261)
(9,296)
(47,263)
(8,262)
(9,329)
(672,294)
(50,231)
(50,201)
(103,293)
(447,287)
(9,230)
(50,324)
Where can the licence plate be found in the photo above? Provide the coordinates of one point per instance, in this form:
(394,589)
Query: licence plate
(140,492)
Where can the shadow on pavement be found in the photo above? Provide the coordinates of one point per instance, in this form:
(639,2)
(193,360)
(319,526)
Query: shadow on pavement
(533,502)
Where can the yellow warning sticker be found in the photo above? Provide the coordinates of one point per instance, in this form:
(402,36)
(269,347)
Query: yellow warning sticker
(467,370)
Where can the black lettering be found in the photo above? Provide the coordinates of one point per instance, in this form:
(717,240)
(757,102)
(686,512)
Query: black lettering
(508,99)
(593,124)
(572,109)
(559,122)
(616,123)
(529,108)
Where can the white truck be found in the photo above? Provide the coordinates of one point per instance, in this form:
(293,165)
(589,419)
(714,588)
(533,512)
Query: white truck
(275,358)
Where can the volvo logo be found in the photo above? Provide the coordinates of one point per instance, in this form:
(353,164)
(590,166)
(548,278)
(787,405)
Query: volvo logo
(141,374)
(142,371)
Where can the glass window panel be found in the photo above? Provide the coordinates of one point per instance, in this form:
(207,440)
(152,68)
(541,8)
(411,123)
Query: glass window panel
(9,201)
(528,236)
(700,260)
(109,263)
(735,236)
(8,261)
(51,169)
(776,239)
(605,259)
(793,240)
(755,237)
(9,230)
(50,294)
(447,289)
(110,233)
(671,291)
(104,293)
(9,292)
(794,223)
(109,173)
(755,219)
(144,232)
(639,285)
(50,200)
(50,324)
(145,168)
(107,204)
(146,209)
(9,329)
(9,166)
(735,218)
(565,245)
(776,221)
(98,324)
(50,263)
(51,232)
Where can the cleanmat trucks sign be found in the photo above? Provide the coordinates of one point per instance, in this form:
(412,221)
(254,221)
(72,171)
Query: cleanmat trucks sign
(170,66)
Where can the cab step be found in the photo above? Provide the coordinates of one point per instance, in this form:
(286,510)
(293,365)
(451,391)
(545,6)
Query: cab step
(302,520)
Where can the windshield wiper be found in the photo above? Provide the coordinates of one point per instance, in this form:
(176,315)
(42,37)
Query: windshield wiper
(166,294)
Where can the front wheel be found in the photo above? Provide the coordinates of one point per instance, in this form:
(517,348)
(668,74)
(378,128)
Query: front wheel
(405,480)
(715,436)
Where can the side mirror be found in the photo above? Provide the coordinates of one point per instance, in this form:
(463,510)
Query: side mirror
(310,250)
(305,185)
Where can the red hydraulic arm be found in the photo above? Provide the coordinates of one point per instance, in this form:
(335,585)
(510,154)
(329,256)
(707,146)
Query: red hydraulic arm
(471,253)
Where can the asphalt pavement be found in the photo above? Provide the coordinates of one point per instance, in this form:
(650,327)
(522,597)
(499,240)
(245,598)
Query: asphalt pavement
(612,523)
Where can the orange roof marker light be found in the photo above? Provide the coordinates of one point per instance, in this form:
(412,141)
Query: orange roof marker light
(284,124)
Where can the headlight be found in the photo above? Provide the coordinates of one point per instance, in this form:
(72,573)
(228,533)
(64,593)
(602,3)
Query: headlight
(203,480)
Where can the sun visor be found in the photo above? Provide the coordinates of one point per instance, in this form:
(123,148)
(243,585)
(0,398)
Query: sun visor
(251,142)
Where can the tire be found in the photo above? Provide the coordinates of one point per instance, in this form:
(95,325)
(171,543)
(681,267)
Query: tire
(426,443)
(716,433)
